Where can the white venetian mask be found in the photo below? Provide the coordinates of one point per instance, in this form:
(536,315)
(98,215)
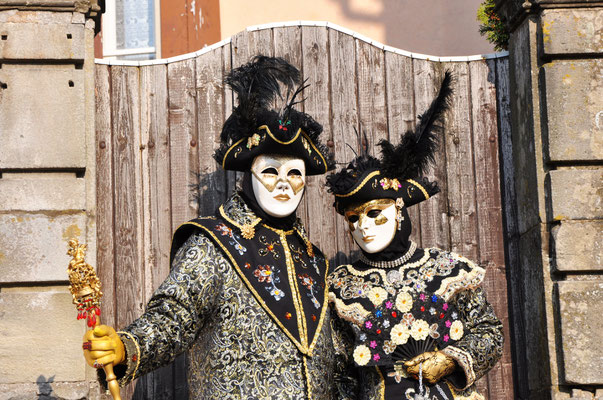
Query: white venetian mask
(278,183)
(373,224)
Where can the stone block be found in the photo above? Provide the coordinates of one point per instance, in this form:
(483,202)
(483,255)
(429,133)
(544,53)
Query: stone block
(578,245)
(41,337)
(572,31)
(46,389)
(574,102)
(577,194)
(580,304)
(33,247)
(19,41)
(42,192)
(43,116)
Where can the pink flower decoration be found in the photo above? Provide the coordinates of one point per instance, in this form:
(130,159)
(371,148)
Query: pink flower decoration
(445,306)
(388,304)
(448,323)
(422,296)
(373,344)
(446,337)
(368,324)
(376,357)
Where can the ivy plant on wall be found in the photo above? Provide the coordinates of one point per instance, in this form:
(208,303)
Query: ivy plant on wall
(491,26)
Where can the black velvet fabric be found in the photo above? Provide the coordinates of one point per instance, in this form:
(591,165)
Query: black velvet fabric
(285,223)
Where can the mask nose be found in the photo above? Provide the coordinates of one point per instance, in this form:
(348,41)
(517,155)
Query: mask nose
(363,222)
(282,185)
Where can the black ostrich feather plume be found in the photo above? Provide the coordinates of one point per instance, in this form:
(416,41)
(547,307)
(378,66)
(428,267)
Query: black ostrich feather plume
(257,85)
(344,180)
(410,158)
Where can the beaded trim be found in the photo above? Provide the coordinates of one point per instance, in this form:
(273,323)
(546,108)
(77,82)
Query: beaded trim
(393,263)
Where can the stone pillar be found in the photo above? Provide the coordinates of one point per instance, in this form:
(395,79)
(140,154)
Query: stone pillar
(554,217)
(47,192)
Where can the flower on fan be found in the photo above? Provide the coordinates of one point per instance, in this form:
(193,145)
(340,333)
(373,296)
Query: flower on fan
(377,295)
(398,373)
(408,319)
(362,355)
(419,330)
(404,302)
(389,347)
(456,330)
(400,334)
(433,331)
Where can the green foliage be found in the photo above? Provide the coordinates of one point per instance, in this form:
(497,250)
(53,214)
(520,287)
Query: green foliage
(491,26)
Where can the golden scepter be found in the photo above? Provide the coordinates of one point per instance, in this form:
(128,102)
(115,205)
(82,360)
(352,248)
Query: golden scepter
(85,289)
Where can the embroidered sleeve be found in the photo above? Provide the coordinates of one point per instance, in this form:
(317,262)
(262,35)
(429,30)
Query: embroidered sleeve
(178,308)
(346,379)
(482,343)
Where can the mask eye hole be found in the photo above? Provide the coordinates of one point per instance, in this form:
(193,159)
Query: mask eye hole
(294,172)
(373,213)
(270,170)
(353,219)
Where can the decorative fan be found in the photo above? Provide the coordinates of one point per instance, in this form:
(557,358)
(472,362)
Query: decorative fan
(405,326)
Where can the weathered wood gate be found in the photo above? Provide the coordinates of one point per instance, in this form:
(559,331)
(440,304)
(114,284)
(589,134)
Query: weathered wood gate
(158,123)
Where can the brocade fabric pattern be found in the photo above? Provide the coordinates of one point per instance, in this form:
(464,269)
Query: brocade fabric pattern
(353,290)
(236,350)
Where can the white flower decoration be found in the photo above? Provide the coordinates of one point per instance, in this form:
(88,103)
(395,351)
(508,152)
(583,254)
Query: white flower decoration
(362,355)
(404,302)
(400,334)
(456,330)
(377,295)
(419,330)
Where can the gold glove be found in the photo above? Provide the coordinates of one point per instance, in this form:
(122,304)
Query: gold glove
(436,365)
(103,346)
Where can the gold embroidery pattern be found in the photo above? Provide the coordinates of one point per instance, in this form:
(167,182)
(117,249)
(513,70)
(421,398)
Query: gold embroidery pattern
(354,312)
(364,181)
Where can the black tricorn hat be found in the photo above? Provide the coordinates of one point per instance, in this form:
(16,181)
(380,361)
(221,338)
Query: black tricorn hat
(257,127)
(399,174)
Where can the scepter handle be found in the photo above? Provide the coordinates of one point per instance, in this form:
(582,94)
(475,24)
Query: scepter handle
(110,377)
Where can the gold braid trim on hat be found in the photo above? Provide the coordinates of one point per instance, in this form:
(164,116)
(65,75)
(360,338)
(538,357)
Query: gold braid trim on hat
(419,186)
(353,192)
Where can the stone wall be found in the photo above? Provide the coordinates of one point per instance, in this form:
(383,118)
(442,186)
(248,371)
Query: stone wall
(47,192)
(554,234)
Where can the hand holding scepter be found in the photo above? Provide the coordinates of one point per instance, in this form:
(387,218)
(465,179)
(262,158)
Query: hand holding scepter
(102,347)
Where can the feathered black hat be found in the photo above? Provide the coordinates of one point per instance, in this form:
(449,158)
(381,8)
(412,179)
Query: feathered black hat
(257,127)
(399,172)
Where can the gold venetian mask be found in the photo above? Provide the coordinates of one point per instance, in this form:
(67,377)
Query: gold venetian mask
(370,209)
(270,170)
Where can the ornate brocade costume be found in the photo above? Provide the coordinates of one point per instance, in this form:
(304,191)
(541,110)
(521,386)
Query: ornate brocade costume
(252,312)
(456,280)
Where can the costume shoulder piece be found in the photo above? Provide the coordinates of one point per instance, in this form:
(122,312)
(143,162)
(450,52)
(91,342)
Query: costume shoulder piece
(283,271)
(257,127)
(399,174)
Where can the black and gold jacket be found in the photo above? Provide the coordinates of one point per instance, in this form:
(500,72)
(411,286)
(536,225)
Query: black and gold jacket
(368,299)
(249,302)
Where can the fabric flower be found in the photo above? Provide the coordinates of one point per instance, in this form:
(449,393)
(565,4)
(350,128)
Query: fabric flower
(434,298)
(456,330)
(368,324)
(404,302)
(448,323)
(389,347)
(422,296)
(373,344)
(376,357)
(378,313)
(454,315)
(446,338)
(400,334)
(433,331)
(432,311)
(419,330)
(445,306)
(362,355)
(408,319)
(277,294)
(377,295)
(386,323)
(388,304)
